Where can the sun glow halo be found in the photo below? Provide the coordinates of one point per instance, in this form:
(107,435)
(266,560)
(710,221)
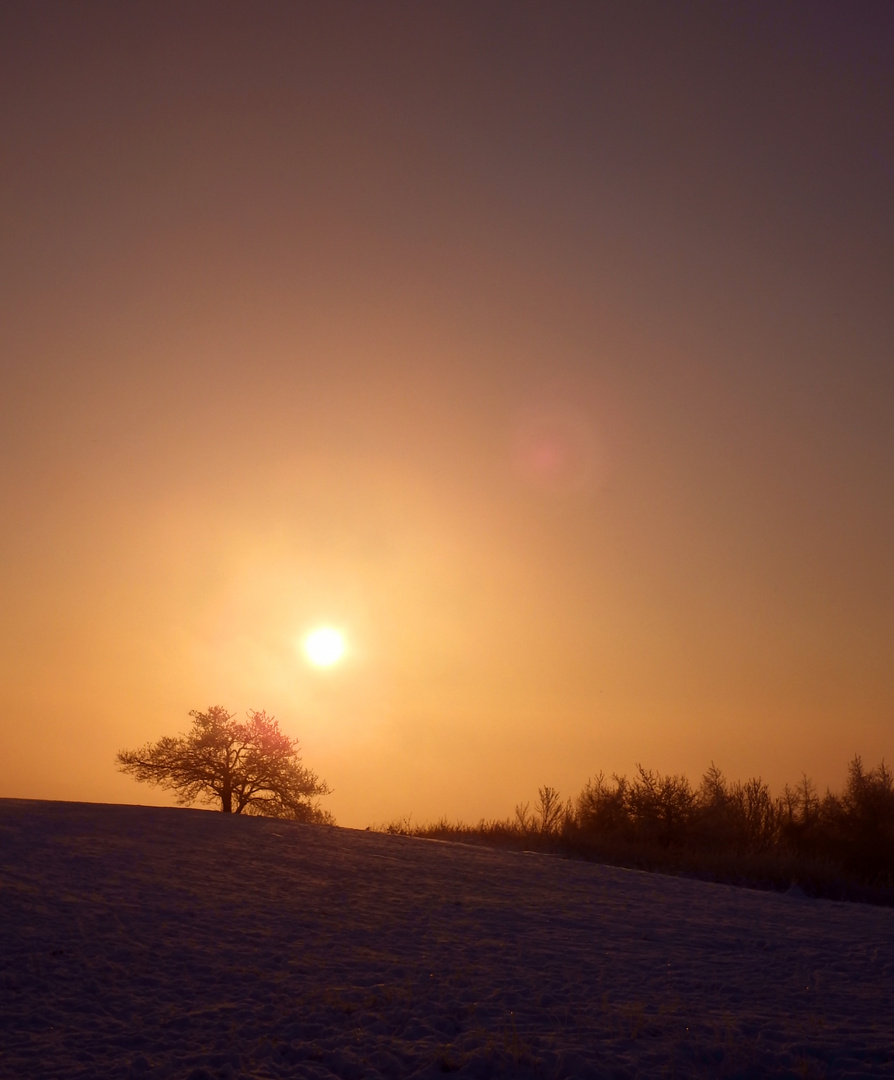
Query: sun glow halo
(324,646)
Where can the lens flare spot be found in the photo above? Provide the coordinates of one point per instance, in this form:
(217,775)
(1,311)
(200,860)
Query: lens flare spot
(557,450)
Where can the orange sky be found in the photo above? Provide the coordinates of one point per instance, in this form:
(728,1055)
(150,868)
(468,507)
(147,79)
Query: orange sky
(547,350)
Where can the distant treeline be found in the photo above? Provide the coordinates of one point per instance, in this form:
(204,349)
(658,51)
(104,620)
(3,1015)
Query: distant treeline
(838,846)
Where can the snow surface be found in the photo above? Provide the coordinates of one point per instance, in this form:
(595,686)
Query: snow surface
(145,942)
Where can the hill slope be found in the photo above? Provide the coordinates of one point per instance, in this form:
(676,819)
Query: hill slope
(147,942)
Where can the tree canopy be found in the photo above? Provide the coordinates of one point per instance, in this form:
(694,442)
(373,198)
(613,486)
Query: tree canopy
(250,766)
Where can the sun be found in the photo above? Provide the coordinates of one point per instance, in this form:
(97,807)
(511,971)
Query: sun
(324,646)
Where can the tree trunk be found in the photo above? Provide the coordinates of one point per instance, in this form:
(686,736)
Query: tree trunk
(226,800)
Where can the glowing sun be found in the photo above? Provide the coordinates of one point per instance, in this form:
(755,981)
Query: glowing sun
(324,646)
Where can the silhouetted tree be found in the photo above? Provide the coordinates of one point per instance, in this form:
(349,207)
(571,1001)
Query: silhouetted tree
(602,807)
(660,807)
(251,767)
(739,817)
(550,811)
(714,810)
(800,818)
(864,816)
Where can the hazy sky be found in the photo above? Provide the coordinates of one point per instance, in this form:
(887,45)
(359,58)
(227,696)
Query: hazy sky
(546,349)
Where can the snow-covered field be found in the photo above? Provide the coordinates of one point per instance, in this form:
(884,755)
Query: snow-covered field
(146,942)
